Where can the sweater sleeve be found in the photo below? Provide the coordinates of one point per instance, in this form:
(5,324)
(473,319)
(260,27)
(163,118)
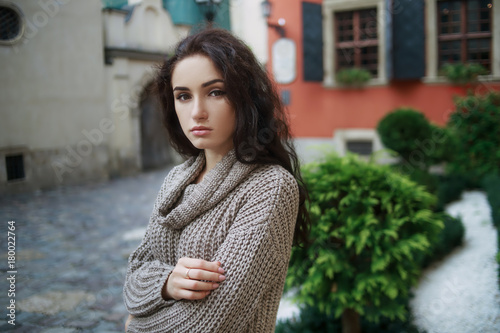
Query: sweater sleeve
(144,282)
(255,256)
(145,275)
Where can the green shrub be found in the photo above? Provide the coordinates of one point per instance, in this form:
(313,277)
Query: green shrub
(311,320)
(449,189)
(475,125)
(419,176)
(441,146)
(406,131)
(460,73)
(369,225)
(491,184)
(450,237)
(353,77)
(420,145)
(391,326)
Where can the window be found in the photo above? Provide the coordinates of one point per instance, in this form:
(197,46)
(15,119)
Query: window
(356,140)
(355,34)
(15,167)
(356,42)
(11,24)
(464,32)
(361,147)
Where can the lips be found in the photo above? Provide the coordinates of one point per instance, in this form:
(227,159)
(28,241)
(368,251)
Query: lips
(200,130)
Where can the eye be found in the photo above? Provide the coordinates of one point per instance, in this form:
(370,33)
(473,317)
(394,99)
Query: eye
(217,93)
(182,97)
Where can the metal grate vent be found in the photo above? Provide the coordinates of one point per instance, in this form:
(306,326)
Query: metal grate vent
(360,147)
(10,24)
(15,167)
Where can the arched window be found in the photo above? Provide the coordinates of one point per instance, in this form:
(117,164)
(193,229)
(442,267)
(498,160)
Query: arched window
(11,24)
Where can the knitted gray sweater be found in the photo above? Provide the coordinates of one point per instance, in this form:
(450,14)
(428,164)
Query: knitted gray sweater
(241,215)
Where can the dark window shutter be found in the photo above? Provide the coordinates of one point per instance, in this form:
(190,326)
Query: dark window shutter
(408,39)
(312,41)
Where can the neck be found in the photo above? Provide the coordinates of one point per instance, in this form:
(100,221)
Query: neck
(211,159)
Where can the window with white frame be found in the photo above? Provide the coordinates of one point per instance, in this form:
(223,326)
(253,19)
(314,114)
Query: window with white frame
(356,43)
(354,36)
(462,31)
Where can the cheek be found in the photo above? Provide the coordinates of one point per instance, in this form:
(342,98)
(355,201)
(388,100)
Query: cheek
(182,121)
(179,112)
(232,124)
(232,121)
(228,117)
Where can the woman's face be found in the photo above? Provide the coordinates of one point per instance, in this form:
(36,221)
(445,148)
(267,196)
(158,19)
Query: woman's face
(206,116)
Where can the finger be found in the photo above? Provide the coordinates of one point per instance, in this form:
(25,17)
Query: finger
(192,294)
(199,274)
(196,285)
(213,266)
(178,282)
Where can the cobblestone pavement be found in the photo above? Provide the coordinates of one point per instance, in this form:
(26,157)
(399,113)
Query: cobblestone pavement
(72,246)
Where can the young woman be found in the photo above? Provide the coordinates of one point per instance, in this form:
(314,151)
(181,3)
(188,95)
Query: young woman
(216,251)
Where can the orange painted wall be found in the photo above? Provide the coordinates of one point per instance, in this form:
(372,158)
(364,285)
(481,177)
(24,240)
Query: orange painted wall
(316,111)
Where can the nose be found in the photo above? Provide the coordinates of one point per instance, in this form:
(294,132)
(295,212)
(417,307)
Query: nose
(199,112)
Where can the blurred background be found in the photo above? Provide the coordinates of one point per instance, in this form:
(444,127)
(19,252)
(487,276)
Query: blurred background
(83,151)
(76,107)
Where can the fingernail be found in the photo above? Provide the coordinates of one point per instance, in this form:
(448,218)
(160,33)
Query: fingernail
(222,277)
(218,263)
(215,285)
(222,271)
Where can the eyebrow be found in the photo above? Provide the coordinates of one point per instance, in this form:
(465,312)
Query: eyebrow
(203,85)
(209,83)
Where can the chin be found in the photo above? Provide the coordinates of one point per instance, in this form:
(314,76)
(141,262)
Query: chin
(200,145)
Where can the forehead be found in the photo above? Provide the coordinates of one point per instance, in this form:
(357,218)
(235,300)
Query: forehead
(194,70)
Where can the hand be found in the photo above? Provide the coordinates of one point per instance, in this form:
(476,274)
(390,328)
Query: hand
(193,279)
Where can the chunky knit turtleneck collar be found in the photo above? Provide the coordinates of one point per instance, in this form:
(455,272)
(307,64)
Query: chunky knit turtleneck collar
(215,186)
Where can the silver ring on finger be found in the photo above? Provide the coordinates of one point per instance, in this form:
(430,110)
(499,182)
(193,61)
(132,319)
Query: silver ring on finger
(187,274)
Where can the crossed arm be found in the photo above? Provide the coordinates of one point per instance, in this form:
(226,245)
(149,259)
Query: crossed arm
(253,257)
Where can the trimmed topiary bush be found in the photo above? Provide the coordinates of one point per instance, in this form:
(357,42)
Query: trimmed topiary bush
(407,131)
(421,145)
(369,226)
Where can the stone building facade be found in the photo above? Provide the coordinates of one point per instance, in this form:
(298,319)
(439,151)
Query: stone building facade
(75,98)
(53,95)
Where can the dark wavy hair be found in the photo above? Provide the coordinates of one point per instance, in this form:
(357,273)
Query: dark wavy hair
(262,134)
